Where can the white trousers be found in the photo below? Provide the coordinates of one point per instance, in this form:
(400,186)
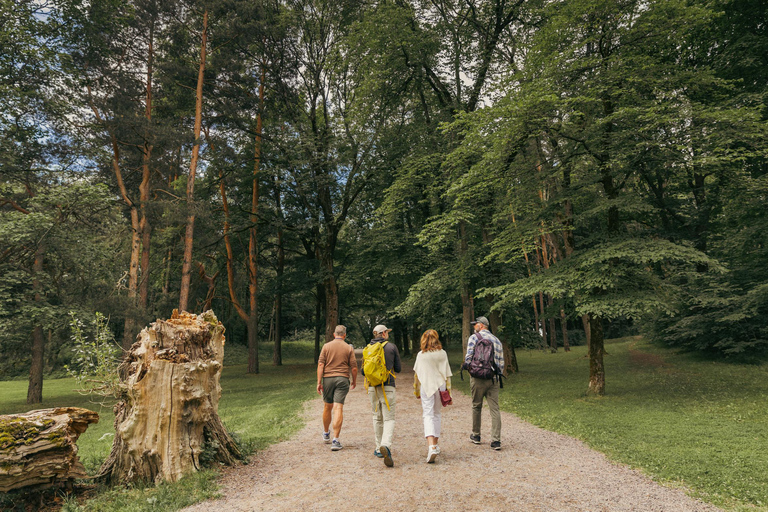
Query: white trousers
(383,417)
(432,410)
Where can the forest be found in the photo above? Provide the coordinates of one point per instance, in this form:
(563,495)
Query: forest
(574,170)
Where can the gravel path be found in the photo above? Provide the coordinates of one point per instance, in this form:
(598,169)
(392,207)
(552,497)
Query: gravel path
(536,470)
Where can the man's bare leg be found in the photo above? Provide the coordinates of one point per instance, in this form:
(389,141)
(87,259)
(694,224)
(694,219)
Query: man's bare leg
(338,418)
(327,408)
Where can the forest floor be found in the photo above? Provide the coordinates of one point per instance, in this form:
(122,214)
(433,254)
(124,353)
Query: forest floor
(536,470)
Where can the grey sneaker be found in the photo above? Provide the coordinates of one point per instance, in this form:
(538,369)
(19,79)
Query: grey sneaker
(336,445)
(496,445)
(326,437)
(475,439)
(387,456)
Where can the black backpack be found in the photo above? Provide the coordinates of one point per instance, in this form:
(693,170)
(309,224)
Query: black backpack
(483,365)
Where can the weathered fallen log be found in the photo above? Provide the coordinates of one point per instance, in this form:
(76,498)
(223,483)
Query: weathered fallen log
(169,414)
(38,449)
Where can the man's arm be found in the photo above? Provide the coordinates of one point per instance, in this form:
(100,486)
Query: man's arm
(320,370)
(470,349)
(396,365)
(353,366)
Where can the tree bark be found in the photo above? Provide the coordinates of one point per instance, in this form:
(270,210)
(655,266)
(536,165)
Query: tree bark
(39,449)
(331,298)
(35,388)
(253,247)
(277,356)
(318,313)
(467,313)
(543,322)
(596,367)
(189,233)
(564,326)
(510,358)
(144,226)
(585,323)
(169,413)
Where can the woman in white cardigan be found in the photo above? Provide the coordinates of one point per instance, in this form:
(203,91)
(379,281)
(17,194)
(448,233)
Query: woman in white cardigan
(432,374)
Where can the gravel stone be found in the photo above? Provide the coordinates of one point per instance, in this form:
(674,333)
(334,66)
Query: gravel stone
(536,470)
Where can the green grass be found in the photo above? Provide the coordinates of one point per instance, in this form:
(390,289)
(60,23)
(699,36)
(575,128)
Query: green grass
(260,409)
(681,420)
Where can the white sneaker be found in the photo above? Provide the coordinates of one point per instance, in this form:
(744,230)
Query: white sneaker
(437,449)
(432,455)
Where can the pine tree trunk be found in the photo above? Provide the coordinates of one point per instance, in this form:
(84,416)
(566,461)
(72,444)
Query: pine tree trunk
(406,343)
(35,388)
(596,367)
(186,268)
(277,356)
(543,322)
(318,313)
(253,247)
(169,412)
(133,279)
(564,326)
(331,307)
(510,358)
(144,225)
(552,329)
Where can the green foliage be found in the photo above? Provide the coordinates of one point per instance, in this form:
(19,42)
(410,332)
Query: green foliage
(95,357)
(678,418)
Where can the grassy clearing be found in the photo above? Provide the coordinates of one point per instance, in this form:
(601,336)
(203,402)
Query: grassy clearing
(681,420)
(260,409)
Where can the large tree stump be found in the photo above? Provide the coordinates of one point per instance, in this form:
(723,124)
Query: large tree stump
(169,413)
(38,449)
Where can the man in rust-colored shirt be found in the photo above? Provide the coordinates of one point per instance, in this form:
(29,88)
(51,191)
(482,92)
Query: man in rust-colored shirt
(334,367)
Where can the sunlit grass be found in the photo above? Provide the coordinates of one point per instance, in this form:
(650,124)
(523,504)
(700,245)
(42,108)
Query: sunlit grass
(259,409)
(679,419)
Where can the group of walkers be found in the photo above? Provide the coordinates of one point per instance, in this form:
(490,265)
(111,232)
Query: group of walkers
(337,373)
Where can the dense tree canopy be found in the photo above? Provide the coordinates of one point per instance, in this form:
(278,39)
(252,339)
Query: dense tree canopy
(572,170)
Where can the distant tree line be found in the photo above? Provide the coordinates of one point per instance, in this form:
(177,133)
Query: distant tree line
(571,170)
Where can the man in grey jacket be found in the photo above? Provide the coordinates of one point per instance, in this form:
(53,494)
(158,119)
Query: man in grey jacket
(383,409)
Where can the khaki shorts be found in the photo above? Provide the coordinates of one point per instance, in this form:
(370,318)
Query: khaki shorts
(335,389)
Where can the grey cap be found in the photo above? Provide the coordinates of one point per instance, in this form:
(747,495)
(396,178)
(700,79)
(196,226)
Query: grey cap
(481,320)
(380,329)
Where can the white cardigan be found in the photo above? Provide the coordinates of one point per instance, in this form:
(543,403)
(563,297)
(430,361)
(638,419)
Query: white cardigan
(433,370)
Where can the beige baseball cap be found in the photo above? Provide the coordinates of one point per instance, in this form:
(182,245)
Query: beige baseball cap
(380,328)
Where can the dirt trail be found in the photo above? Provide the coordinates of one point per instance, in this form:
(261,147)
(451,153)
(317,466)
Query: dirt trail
(536,470)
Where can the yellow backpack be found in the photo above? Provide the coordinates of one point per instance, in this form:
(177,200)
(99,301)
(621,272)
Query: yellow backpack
(375,367)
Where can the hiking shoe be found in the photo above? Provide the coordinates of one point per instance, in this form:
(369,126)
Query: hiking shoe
(387,456)
(475,439)
(377,453)
(336,445)
(327,437)
(432,455)
(496,445)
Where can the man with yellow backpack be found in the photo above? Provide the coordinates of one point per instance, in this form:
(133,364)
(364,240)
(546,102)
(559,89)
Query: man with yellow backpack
(381,360)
